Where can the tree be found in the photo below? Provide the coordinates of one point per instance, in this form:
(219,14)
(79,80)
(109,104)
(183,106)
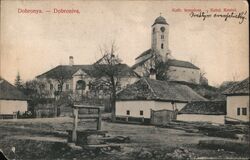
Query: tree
(157,63)
(61,77)
(35,89)
(18,81)
(107,71)
(203,79)
(36,92)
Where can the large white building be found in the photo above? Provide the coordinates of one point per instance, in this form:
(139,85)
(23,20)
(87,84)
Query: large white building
(79,79)
(238,102)
(177,70)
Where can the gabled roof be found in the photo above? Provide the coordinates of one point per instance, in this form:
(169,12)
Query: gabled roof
(10,92)
(144,53)
(241,88)
(205,108)
(149,89)
(68,71)
(171,62)
(179,63)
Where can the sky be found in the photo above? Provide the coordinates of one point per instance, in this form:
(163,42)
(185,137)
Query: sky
(32,44)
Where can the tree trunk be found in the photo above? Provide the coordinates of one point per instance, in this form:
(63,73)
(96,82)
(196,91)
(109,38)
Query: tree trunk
(113,109)
(113,99)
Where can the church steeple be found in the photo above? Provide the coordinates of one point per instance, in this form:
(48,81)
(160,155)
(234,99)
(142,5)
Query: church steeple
(160,32)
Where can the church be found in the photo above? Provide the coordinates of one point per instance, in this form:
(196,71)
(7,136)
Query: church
(175,70)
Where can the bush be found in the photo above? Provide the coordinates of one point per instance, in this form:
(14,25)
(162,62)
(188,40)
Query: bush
(26,114)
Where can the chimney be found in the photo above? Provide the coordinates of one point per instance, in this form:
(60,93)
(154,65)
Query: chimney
(152,73)
(71,60)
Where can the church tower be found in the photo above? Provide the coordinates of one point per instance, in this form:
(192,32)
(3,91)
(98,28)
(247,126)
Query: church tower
(159,42)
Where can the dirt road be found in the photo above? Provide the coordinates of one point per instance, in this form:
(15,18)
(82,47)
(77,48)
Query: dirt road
(46,139)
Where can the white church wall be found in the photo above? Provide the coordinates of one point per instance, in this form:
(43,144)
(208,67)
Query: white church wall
(159,38)
(184,74)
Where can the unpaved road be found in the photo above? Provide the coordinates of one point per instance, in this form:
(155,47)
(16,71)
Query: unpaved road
(45,139)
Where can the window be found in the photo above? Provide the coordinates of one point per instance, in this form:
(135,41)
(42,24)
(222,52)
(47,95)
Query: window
(67,86)
(59,87)
(162,46)
(128,112)
(238,111)
(51,86)
(141,113)
(80,85)
(244,111)
(162,29)
(162,36)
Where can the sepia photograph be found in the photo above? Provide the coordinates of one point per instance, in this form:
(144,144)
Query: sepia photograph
(124,80)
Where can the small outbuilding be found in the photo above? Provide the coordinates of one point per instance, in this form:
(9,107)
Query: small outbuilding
(238,102)
(11,100)
(203,111)
(146,95)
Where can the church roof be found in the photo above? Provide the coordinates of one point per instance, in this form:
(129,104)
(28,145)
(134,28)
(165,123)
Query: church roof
(10,92)
(241,88)
(150,89)
(179,63)
(68,71)
(205,108)
(160,20)
(144,53)
(171,62)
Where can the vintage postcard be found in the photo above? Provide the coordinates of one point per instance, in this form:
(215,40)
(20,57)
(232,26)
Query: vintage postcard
(151,80)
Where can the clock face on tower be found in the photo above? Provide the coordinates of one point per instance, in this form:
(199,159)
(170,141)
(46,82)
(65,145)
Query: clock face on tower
(162,29)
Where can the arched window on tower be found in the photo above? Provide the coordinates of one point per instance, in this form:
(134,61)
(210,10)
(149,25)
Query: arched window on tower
(162,46)
(162,36)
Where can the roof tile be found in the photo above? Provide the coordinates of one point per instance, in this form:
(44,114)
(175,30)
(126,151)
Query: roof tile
(149,89)
(238,88)
(205,108)
(10,92)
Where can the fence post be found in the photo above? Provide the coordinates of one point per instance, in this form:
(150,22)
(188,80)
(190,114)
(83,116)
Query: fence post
(127,119)
(151,116)
(74,132)
(99,121)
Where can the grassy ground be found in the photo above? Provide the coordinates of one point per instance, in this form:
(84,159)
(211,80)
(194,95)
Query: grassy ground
(45,139)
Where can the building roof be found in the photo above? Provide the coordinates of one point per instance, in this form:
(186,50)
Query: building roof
(10,92)
(179,63)
(160,20)
(68,71)
(240,88)
(205,108)
(144,53)
(171,62)
(149,89)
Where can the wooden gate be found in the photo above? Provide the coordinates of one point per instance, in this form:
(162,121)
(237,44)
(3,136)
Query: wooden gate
(161,117)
